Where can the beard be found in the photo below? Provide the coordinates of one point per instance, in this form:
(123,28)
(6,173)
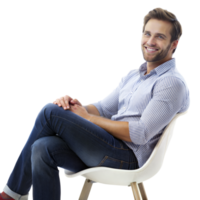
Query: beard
(157,57)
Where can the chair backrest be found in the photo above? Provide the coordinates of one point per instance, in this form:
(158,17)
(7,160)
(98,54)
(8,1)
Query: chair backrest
(154,163)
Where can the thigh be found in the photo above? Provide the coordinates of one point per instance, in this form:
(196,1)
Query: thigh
(92,144)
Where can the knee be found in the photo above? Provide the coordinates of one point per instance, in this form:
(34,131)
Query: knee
(43,145)
(37,148)
(48,105)
(39,154)
(42,151)
(48,109)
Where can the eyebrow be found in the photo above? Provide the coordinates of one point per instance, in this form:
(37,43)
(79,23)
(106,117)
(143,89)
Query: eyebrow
(157,34)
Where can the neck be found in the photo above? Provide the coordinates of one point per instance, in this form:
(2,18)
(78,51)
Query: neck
(153,65)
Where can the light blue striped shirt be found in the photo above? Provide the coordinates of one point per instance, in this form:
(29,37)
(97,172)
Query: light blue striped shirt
(148,103)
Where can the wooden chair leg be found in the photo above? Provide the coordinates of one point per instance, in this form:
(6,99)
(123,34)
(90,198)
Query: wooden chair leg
(142,191)
(136,192)
(86,190)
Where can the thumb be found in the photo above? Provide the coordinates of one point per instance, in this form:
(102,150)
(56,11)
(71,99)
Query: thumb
(72,101)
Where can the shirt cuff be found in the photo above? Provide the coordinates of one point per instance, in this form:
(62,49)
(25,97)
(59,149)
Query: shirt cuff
(99,108)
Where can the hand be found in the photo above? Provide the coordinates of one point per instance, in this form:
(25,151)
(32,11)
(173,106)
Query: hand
(81,111)
(66,101)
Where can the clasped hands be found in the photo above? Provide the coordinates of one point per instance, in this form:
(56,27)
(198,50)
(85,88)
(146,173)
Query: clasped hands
(80,110)
(73,105)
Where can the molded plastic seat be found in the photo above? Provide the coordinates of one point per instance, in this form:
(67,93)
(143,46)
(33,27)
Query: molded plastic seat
(133,178)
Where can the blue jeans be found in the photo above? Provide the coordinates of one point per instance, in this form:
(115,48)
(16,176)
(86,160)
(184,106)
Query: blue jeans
(60,138)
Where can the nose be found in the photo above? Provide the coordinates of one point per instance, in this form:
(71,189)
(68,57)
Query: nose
(151,41)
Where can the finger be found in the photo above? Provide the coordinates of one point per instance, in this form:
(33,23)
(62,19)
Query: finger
(72,102)
(62,103)
(67,101)
(75,101)
(56,101)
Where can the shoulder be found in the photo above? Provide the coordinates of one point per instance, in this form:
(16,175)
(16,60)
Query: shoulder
(171,78)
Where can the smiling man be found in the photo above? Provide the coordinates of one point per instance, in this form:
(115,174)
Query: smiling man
(119,131)
(158,43)
(147,99)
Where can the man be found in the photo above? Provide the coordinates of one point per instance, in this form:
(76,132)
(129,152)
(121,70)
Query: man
(119,132)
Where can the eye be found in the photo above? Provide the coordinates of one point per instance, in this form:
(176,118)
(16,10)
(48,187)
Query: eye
(160,36)
(146,33)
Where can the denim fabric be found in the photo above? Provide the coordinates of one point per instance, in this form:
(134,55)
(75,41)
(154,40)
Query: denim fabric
(60,138)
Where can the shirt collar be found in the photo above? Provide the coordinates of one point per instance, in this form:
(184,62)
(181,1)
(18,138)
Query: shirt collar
(158,70)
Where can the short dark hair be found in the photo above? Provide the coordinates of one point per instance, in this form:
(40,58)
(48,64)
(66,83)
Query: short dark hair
(160,14)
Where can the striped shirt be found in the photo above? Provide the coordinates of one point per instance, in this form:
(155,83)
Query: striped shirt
(148,103)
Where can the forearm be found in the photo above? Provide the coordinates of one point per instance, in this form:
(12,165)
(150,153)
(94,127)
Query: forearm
(91,109)
(118,129)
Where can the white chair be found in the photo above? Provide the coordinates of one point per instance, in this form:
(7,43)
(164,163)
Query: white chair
(133,178)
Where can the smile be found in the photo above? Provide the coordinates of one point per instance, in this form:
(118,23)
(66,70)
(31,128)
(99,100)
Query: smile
(151,50)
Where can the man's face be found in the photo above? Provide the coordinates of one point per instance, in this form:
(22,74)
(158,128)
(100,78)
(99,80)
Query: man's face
(156,46)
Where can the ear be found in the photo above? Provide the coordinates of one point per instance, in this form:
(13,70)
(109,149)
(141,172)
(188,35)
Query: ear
(174,44)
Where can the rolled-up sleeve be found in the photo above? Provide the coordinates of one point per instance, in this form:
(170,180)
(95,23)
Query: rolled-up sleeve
(167,99)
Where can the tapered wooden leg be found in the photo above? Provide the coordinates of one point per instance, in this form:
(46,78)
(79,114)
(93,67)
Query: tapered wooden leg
(136,192)
(142,191)
(86,190)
